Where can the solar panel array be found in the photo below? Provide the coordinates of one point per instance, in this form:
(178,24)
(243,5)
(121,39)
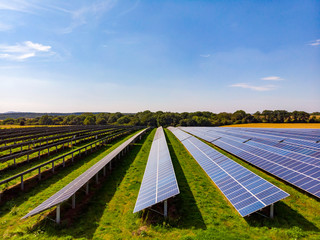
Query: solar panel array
(246,191)
(65,193)
(159,180)
(292,155)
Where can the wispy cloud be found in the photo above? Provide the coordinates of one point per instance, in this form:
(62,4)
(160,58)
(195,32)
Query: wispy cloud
(315,43)
(272,78)
(5,27)
(23,51)
(80,16)
(130,9)
(205,55)
(254,88)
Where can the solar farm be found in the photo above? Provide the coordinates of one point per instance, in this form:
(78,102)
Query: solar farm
(120,182)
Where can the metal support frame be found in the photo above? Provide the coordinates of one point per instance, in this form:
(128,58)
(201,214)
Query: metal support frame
(110,165)
(97,178)
(272,211)
(22,183)
(165,209)
(73,201)
(39,174)
(104,171)
(87,188)
(58,214)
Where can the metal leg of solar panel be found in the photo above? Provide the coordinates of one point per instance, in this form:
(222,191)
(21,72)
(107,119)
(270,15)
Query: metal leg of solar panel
(271,211)
(165,209)
(104,171)
(73,201)
(110,166)
(39,174)
(58,214)
(22,183)
(97,178)
(87,188)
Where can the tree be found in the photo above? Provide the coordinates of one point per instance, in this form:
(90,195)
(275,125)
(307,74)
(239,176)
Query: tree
(8,121)
(123,120)
(89,120)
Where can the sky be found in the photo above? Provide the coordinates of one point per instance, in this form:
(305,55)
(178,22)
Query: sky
(131,56)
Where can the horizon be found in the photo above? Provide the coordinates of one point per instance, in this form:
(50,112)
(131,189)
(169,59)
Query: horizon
(112,56)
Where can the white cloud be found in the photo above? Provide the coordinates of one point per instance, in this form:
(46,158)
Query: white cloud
(254,88)
(22,51)
(315,43)
(272,78)
(205,55)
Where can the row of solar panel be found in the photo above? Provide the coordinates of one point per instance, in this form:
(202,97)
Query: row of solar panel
(298,169)
(313,154)
(305,140)
(159,180)
(246,191)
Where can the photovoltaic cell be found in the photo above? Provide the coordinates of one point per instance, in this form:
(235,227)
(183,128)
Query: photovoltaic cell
(159,180)
(246,191)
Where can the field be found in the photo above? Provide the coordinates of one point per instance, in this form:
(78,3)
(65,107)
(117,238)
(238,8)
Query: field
(277,125)
(200,211)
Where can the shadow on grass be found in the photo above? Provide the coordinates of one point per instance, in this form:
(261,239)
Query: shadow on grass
(190,215)
(14,197)
(285,217)
(83,221)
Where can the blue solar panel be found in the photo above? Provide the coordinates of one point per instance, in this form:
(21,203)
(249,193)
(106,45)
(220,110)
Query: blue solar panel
(159,180)
(298,169)
(246,191)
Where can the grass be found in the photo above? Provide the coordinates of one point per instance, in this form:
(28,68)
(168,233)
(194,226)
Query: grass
(277,125)
(200,211)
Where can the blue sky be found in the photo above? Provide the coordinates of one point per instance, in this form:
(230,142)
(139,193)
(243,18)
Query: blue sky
(130,56)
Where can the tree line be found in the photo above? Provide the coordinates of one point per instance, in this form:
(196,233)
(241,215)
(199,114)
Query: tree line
(154,119)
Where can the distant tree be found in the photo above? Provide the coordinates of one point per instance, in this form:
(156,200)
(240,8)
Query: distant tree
(268,115)
(89,120)
(238,115)
(8,121)
(123,120)
(46,120)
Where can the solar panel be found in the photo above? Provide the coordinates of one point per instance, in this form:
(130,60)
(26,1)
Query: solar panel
(159,180)
(246,191)
(301,171)
(68,191)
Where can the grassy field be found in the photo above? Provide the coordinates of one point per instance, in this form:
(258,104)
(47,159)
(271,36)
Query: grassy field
(200,211)
(277,125)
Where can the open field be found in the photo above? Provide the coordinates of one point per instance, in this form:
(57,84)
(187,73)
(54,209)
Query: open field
(200,211)
(276,125)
